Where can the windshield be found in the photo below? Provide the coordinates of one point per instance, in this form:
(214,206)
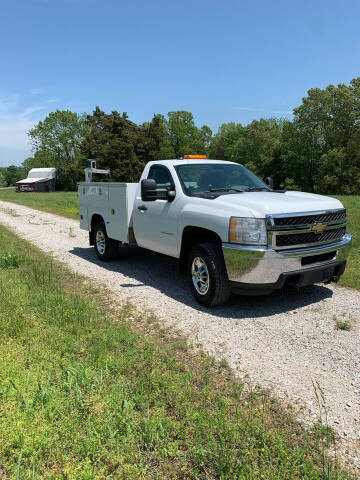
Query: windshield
(216,177)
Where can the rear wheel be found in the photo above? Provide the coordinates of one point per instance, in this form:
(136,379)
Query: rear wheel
(207,275)
(105,248)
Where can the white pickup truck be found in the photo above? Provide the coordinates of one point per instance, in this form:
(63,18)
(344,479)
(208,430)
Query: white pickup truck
(230,231)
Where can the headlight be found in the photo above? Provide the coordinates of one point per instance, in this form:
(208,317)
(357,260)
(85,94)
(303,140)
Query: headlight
(248,231)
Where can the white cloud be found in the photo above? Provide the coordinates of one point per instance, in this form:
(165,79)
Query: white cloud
(28,111)
(15,122)
(13,132)
(263,110)
(52,100)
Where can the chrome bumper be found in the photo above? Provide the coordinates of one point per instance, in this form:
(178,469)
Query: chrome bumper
(261,265)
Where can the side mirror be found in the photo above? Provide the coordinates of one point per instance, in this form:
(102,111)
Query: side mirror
(269,182)
(148,190)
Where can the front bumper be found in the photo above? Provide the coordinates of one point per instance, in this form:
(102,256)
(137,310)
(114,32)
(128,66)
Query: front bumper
(266,268)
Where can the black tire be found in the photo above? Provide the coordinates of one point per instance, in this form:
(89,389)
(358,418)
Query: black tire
(111,247)
(218,287)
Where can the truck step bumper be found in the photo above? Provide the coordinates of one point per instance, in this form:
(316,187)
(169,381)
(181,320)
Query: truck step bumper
(254,268)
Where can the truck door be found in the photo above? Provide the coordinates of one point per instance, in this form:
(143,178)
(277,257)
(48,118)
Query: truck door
(155,222)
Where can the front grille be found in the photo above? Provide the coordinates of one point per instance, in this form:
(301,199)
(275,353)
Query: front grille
(288,240)
(332,217)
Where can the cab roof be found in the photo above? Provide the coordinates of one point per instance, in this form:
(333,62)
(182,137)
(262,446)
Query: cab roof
(176,161)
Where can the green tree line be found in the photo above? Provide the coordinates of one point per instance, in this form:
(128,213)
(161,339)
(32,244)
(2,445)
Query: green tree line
(318,151)
(10,175)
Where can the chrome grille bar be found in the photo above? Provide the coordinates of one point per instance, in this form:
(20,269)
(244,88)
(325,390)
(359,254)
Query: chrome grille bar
(288,230)
(329,217)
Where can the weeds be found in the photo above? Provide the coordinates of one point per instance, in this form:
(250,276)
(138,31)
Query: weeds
(343,325)
(325,434)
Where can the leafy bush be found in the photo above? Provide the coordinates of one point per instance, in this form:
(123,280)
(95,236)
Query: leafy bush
(10,260)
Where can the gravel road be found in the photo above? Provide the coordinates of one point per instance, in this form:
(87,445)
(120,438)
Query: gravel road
(284,341)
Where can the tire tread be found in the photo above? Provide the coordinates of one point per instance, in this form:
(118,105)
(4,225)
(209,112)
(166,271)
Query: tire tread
(112,245)
(218,274)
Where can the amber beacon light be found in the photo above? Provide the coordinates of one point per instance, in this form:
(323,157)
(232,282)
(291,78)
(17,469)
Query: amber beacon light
(195,157)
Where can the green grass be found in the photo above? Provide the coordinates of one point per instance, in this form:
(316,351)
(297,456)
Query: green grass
(66,204)
(90,393)
(61,203)
(343,325)
(351,277)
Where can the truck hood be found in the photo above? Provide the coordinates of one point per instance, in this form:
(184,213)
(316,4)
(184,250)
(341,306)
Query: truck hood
(260,204)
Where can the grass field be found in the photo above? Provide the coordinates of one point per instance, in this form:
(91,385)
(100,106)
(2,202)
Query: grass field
(61,203)
(87,393)
(66,204)
(351,277)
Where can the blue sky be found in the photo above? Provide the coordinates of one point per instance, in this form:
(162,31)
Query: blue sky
(225,61)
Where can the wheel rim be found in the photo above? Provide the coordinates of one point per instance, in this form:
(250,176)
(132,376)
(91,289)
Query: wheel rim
(100,242)
(200,275)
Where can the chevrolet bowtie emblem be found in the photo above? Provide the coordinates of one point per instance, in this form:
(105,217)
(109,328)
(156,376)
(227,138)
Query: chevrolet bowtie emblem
(318,227)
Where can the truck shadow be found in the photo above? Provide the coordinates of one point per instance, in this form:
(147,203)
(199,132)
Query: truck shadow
(145,268)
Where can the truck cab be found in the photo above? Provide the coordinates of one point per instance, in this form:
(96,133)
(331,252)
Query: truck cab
(230,231)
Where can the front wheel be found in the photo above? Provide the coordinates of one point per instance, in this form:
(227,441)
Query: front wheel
(207,275)
(105,248)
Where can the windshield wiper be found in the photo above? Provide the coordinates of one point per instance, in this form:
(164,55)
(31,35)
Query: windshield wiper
(225,190)
(217,190)
(257,189)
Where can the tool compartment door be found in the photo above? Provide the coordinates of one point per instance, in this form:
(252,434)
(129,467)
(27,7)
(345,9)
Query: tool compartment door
(117,228)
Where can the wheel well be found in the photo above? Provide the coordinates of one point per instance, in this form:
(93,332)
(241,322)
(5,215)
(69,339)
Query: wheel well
(192,236)
(96,218)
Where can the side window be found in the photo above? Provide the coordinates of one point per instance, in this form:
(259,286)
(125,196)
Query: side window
(162,178)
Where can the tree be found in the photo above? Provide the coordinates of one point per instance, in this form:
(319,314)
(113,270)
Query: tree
(117,143)
(327,122)
(60,137)
(11,175)
(257,145)
(41,158)
(184,136)
(156,140)
(2,179)
(202,140)
(222,145)
(299,158)
(125,147)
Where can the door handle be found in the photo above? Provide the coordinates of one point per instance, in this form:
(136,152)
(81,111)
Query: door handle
(143,208)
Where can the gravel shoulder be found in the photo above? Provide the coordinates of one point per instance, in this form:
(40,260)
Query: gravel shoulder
(284,342)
